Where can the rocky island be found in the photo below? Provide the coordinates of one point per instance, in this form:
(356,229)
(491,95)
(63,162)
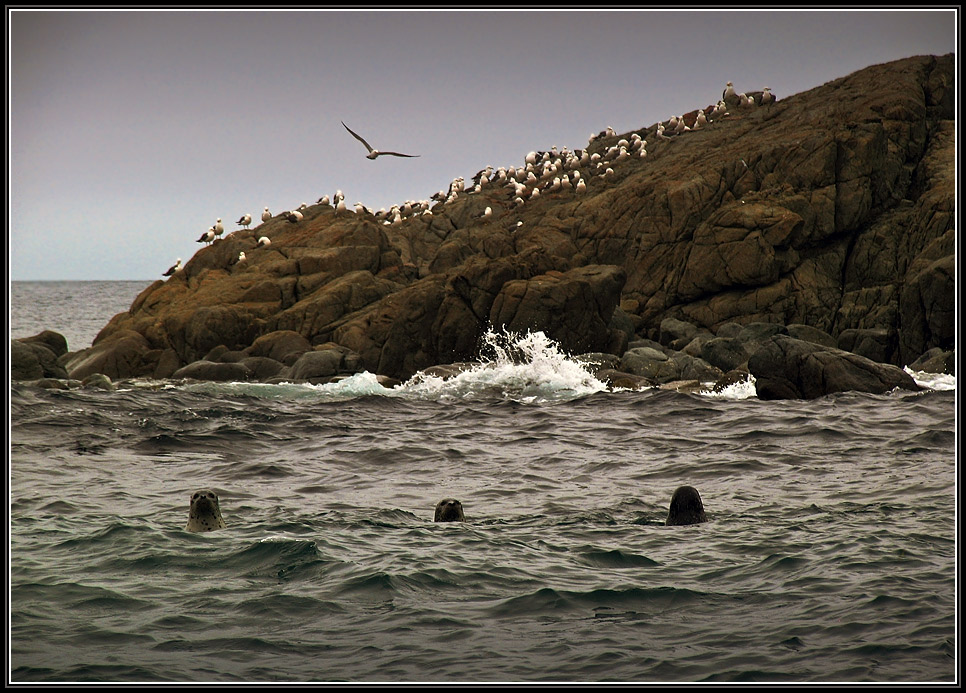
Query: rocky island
(809,241)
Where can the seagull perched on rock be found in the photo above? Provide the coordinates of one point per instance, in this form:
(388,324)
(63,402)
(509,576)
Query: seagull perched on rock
(766,96)
(207,237)
(245,220)
(176,267)
(218,228)
(266,215)
(264,242)
(373,153)
(241,258)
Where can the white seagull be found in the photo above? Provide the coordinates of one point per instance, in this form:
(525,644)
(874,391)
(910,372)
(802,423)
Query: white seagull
(218,228)
(176,267)
(264,242)
(207,237)
(373,153)
(241,258)
(766,96)
(245,220)
(266,215)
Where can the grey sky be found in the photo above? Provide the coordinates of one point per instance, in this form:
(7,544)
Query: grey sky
(130,132)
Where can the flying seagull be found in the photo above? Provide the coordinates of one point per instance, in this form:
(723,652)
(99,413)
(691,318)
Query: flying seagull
(373,153)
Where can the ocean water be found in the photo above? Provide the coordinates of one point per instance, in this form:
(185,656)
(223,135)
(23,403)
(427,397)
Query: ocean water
(829,554)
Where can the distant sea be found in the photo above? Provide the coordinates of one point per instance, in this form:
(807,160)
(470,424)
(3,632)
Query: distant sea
(78,310)
(829,554)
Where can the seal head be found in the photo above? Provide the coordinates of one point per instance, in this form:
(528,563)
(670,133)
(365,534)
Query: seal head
(449,510)
(686,507)
(204,515)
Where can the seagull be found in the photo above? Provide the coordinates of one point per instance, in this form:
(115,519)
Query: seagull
(266,215)
(729,92)
(264,242)
(373,153)
(176,267)
(241,258)
(218,228)
(245,220)
(207,237)
(766,96)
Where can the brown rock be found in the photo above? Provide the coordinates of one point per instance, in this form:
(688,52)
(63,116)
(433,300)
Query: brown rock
(833,209)
(54,341)
(210,370)
(573,308)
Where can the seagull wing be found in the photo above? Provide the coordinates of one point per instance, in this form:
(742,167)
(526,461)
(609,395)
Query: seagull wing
(398,154)
(357,136)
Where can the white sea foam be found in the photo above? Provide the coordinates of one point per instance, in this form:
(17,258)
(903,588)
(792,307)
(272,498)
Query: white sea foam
(744,389)
(525,368)
(934,381)
(351,387)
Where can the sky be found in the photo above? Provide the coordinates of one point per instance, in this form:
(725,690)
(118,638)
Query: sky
(130,132)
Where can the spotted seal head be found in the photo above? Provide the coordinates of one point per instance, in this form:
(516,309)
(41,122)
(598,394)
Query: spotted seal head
(204,515)
(449,510)
(686,507)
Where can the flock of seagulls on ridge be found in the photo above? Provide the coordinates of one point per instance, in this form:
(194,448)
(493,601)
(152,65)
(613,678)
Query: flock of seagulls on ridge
(549,171)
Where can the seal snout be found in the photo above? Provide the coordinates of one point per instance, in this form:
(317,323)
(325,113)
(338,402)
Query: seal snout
(449,510)
(204,513)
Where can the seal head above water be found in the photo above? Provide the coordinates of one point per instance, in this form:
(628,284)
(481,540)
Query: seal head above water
(686,507)
(449,510)
(204,515)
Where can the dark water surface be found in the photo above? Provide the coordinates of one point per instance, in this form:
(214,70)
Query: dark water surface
(829,554)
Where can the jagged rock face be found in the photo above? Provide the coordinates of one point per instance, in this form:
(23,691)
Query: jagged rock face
(832,209)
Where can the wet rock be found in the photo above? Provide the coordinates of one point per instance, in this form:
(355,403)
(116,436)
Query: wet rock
(211,370)
(31,359)
(262,367)
(314,365)
(574,308)
(98,381)
(54,341)
(725,353)
(620,379)
(786,368)
(936,360)
(595,362)
(24,364)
